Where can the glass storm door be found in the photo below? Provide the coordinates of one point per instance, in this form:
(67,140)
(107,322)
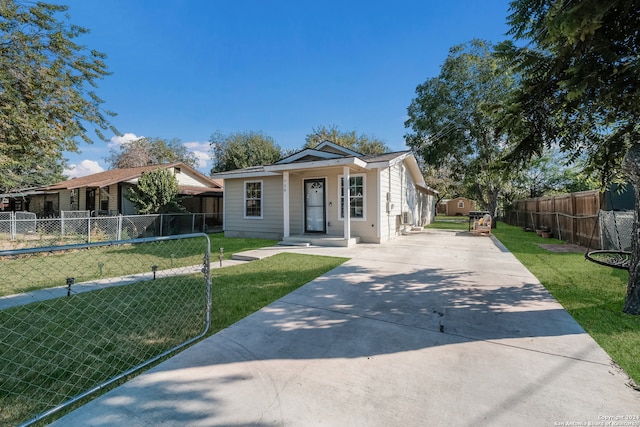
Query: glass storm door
(314,208)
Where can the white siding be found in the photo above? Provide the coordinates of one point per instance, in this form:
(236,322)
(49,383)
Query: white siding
(387,220)
(392,201)
(383,214)
(366,228)
(425,209)
(185,178)
(296,205)
(404,196)
(270,226)
(419,203)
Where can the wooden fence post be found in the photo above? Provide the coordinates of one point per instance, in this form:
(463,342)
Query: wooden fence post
(574,221)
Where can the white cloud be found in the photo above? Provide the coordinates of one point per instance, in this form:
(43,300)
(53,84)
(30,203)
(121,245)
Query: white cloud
(203,158)
(86,167)
(125,137)
(201,151)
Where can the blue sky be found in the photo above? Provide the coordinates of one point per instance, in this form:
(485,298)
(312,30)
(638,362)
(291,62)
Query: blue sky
(188,68)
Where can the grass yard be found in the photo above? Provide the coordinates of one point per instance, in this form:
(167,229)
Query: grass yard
(44,270)
(69,345)
(591,293)
(450,223)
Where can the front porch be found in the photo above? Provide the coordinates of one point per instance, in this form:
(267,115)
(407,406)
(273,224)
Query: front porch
(318,240)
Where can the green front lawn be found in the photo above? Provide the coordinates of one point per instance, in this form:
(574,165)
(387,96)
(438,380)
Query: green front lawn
(56,349)
(442,222)
(45,270)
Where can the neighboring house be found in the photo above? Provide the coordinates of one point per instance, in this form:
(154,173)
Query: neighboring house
(460,206)
(104,193)
(303,194)
(21,200)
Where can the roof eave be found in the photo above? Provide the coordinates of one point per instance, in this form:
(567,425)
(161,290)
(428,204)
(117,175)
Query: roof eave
(343,161)
(246,174)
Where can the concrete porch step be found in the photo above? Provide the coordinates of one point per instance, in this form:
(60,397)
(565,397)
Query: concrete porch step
(319,240)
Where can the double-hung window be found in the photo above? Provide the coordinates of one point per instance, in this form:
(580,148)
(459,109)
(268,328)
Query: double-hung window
(356,196)
(253,199)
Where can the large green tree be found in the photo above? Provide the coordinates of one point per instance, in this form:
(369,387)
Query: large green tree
(150,151)
(360,143)
(46,92)
(156,192)
(579,90)
(550,175)
(242,149)
(452,123)
(443,180)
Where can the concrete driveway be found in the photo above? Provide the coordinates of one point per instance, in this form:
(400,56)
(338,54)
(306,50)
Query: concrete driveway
(435,328)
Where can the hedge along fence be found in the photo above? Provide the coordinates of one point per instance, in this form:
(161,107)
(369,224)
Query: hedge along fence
(570,217)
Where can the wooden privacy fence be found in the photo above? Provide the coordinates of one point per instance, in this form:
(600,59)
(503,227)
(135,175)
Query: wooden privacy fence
(570,217)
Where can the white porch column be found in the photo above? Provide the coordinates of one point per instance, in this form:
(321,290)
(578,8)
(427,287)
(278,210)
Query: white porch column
(347,203)
(285,202)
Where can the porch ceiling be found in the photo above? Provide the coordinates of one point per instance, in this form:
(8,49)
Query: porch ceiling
(337,169)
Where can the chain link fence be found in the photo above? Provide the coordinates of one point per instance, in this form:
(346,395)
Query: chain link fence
(616,230)
(77,318)
(23,230)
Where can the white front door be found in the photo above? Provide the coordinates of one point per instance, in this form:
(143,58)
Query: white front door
(314,206)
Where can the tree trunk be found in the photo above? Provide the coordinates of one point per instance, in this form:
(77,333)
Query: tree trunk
(492,197)
(631,168)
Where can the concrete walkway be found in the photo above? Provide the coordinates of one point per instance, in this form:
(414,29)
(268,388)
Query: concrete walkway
(437,328)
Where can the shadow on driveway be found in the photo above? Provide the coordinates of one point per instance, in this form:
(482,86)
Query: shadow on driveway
(411,333)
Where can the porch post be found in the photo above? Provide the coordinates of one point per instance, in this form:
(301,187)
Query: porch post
(285,202)
(347,203)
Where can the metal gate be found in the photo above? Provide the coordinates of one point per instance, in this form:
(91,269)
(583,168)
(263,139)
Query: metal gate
(75,319)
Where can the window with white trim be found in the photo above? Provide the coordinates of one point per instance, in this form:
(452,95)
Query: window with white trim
(460,204)
(356,196)
(253,199)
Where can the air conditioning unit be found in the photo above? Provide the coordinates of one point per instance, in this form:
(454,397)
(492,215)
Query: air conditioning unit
(407,217)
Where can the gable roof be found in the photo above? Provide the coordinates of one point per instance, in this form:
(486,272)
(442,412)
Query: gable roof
(295,162)
(339,149)
(114,176)
(330,155)
(326,154)
(324,150)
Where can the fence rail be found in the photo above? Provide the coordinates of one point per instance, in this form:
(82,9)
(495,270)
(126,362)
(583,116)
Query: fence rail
(23,229)
(78,318)
(575,218)
(581,230)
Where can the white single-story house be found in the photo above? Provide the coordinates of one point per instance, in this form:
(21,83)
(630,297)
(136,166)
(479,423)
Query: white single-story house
(304,196)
